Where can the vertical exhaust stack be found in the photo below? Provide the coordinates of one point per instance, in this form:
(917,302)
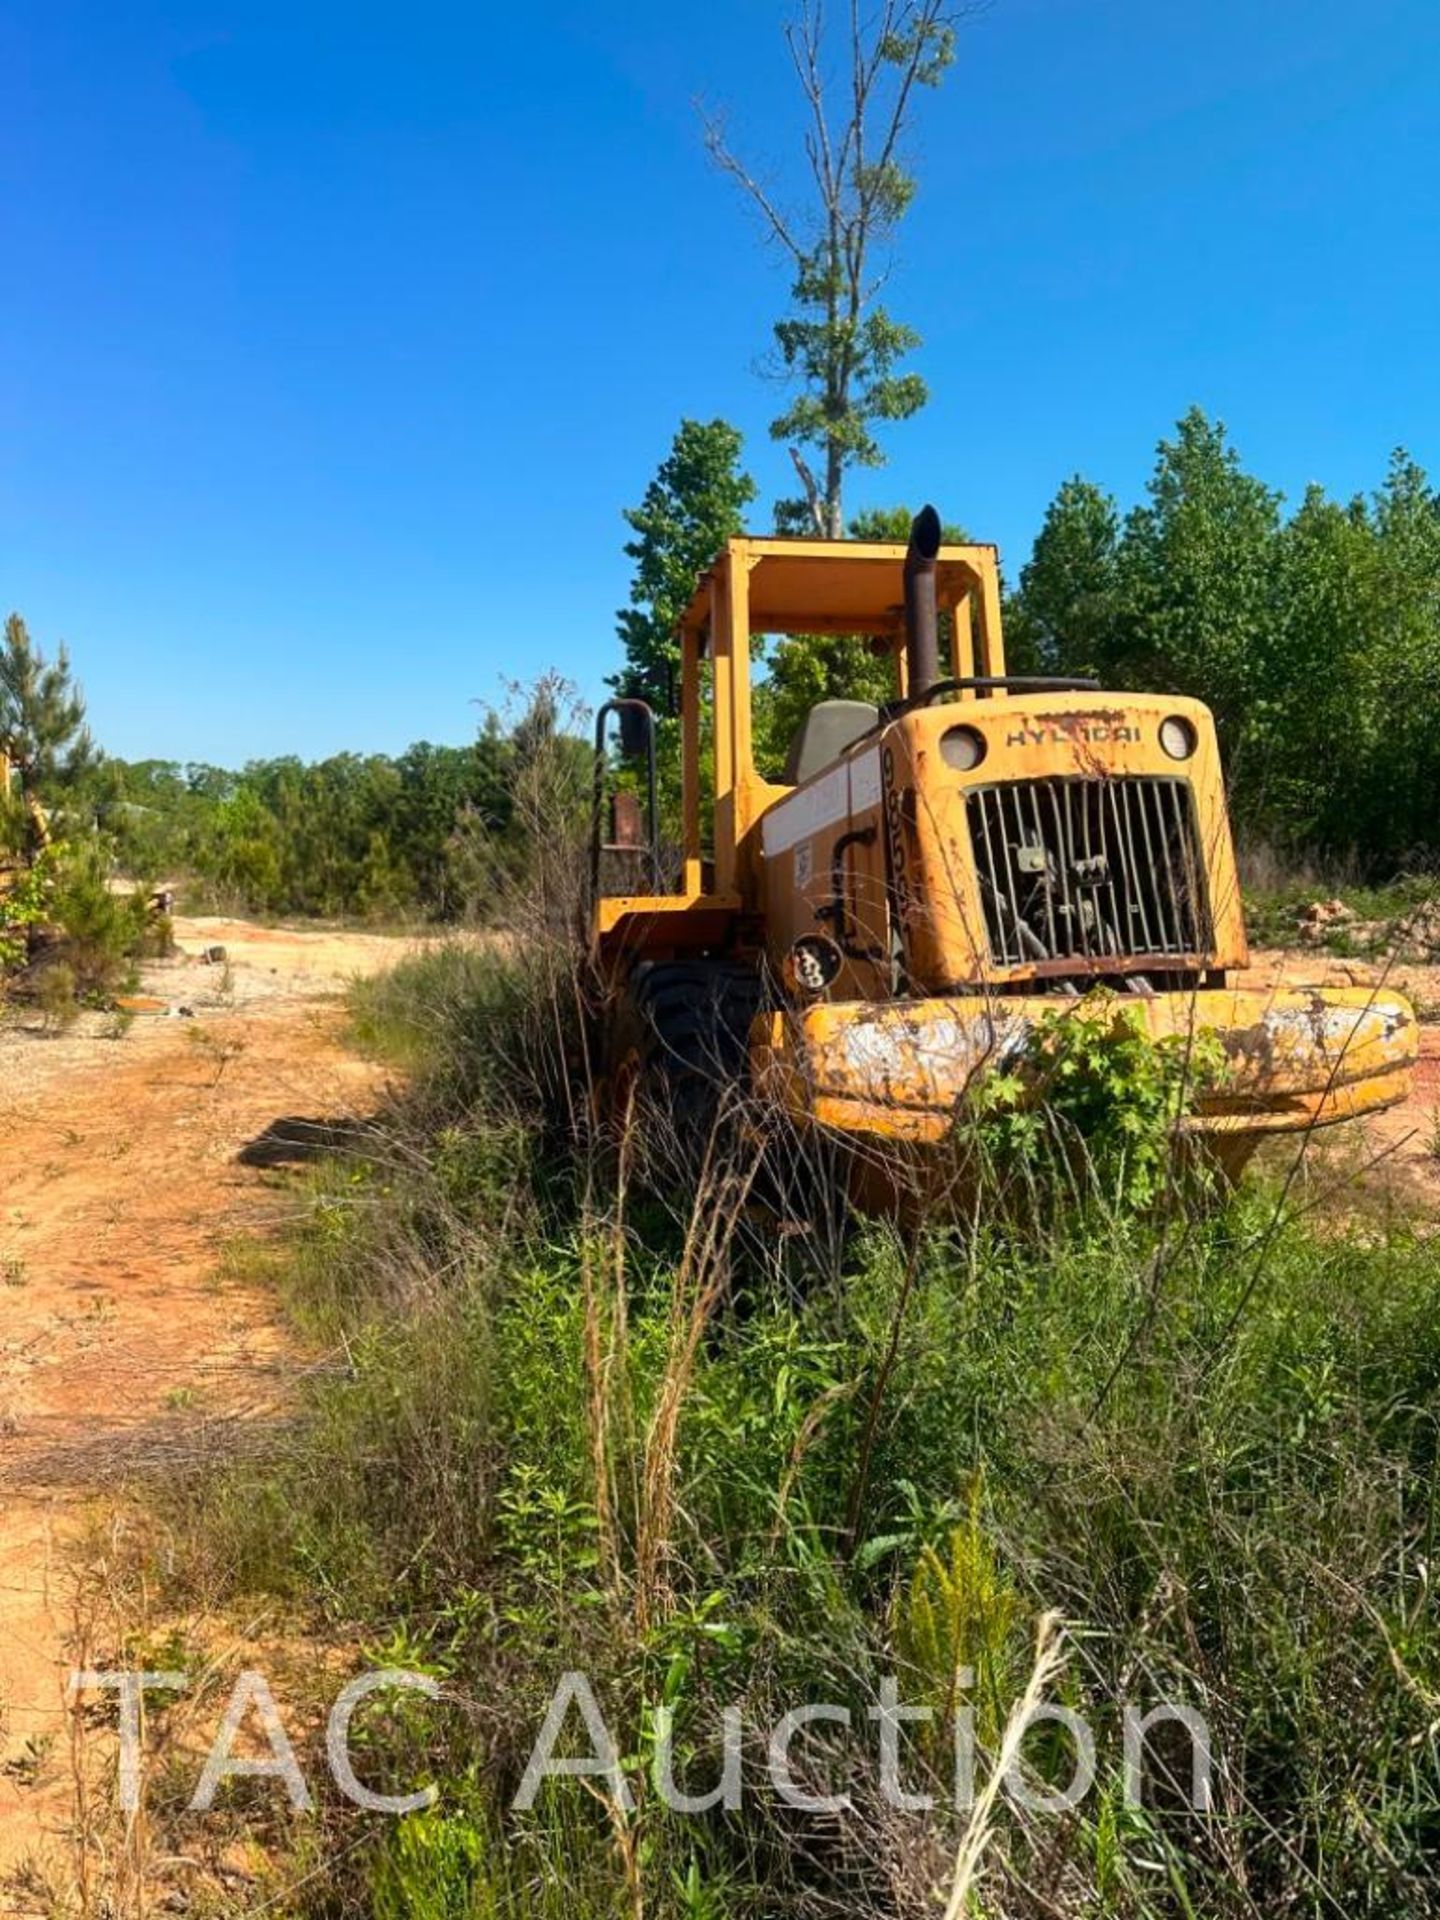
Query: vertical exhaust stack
(922,623)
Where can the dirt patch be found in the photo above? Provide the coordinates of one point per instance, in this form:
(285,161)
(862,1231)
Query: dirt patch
(128,1154)
(1394,1155)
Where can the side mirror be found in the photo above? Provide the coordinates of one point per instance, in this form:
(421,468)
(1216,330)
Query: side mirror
(636,727)
(637,741)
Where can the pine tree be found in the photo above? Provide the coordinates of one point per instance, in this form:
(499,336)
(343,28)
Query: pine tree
(1196,578)
(1062,619)
(43,735)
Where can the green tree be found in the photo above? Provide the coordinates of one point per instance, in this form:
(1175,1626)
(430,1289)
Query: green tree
(242,854)
(894,523)
(1405,650)
(436,784)
(1319,685)
(695,503)
(1341,756)
(1195,579)
(1314,639)
(838,343)
(1062,619)
(42,725)
(526,844)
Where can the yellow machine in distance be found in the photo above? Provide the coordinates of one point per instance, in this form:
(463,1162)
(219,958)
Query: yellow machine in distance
(930,878)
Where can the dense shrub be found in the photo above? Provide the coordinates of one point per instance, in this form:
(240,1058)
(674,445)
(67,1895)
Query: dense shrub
(102,931)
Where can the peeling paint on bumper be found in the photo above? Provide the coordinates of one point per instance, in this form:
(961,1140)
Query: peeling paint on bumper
(898,1070)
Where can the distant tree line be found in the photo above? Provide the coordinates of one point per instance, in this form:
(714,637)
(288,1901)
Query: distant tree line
(427,831)
(439,831)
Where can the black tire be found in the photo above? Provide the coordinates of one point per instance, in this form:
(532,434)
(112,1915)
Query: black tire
(678,1055)
(678,1070)
(695,1021)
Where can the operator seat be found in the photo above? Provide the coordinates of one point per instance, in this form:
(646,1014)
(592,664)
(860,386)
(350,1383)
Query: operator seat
(823,735)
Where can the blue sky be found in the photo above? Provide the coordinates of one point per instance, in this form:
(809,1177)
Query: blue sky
(333,338)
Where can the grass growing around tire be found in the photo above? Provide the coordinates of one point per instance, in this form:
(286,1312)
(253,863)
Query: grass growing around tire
(1205,1438)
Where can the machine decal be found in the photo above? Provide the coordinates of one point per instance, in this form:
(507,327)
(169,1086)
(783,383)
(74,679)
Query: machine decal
(898,875)
(1091,733)
(847,789)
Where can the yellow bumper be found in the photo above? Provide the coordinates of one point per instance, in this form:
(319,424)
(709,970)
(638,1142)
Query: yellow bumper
(1298,1057)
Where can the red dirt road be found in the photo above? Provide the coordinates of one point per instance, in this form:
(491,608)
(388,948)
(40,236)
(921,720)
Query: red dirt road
(121,1344)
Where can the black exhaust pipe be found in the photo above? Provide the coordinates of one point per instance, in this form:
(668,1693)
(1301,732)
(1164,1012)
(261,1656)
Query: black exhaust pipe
(922,622)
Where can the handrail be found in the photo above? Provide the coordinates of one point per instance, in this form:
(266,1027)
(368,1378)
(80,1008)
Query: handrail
(837,910)
(1010,682)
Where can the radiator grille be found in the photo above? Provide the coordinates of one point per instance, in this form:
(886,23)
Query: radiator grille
(1090,869)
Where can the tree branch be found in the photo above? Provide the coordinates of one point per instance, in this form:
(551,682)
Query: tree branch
(803,38)
(729,163)
(928,15)
(812,491)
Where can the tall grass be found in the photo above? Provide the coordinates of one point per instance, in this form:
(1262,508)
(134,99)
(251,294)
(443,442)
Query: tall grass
(569,1425)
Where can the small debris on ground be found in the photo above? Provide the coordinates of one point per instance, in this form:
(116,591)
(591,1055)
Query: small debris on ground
(1324,917)
(1412,937)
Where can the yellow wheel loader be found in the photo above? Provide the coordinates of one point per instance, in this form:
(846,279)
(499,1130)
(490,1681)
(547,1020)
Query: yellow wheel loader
(892,914)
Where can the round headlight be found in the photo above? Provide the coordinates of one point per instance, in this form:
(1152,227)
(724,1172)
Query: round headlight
(811,964)
(962,748)
(1178,737)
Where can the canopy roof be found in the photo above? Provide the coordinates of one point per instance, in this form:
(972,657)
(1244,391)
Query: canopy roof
(834,586)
